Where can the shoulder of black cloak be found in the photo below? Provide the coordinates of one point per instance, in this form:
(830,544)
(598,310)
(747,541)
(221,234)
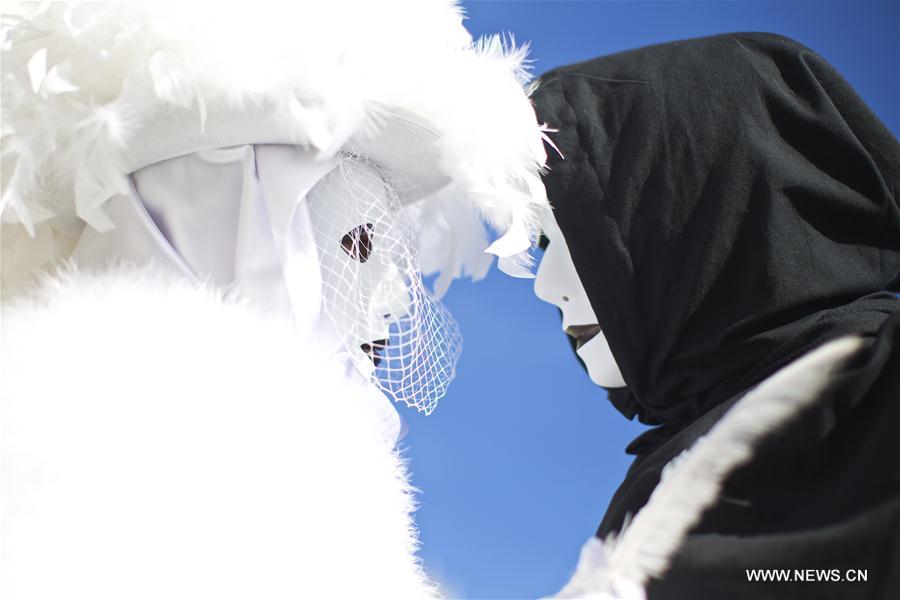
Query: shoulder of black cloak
(664,121)
(821,493)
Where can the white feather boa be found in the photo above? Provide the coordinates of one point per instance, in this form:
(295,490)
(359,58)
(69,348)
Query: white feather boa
(161,441)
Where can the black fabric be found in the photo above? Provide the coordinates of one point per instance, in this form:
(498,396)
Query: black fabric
(822,493)
(730,204)
(861,544)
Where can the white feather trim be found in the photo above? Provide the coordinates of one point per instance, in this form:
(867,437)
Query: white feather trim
(160,441)
(94,91)
(619,567)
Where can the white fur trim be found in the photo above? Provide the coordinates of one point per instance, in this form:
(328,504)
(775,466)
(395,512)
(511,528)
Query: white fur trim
(94,91)
(619,567)
(160,441)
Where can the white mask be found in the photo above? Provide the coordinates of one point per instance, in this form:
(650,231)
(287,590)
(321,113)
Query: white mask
(558,283)
(304,237)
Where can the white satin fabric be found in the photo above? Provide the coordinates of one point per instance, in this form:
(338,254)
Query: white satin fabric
(238,218)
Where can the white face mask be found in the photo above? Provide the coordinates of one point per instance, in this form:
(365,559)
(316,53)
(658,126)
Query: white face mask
(558,283)
(324,242)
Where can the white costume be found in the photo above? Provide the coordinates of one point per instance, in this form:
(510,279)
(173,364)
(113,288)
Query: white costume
(214,232)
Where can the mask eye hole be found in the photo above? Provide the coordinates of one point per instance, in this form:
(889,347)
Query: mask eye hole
(357,242)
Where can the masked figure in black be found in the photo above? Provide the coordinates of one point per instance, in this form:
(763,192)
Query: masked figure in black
(730,205)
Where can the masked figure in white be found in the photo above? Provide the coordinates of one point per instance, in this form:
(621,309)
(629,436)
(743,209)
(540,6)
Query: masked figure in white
(215,230)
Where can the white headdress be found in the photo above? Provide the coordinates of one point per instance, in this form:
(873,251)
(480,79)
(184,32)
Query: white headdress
(396,91)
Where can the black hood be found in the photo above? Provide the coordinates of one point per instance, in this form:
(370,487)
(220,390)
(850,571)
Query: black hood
(729,203)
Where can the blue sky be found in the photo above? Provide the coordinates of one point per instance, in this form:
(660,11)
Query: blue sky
(519,460)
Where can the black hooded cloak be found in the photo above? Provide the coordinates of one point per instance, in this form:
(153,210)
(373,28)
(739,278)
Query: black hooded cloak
(730,204)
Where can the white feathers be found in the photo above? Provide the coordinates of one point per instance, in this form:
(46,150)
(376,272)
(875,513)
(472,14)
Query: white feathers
(512,249)
(691,483)
(595,579)
(160,441)
(94,91)
(37,69)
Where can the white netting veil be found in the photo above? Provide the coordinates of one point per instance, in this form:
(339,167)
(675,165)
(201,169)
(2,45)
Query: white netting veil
(373,293)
